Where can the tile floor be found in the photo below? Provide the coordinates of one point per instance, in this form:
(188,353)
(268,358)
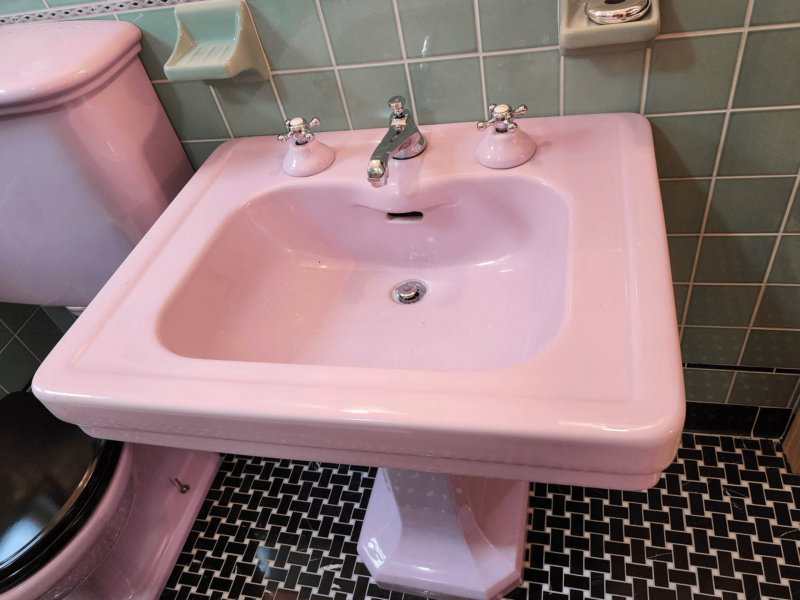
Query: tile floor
(722,523)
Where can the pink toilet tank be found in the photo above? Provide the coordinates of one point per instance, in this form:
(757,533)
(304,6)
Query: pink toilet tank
(88,158)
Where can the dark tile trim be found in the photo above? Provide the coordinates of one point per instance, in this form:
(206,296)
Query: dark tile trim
(721,419)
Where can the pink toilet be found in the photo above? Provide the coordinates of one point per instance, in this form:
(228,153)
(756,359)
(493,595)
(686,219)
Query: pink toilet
(88,162)
(88,158)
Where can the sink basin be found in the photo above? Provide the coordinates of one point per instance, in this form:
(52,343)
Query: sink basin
(303,274)
(257,316)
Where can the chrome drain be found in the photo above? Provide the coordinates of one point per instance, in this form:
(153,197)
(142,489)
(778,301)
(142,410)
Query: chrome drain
(410,291)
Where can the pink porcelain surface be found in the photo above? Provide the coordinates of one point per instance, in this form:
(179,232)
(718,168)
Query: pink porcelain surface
(257,314)
(140,562)
(76,561)
(128,547)
(307,159)
(505,150)
(445,536)
(87,163)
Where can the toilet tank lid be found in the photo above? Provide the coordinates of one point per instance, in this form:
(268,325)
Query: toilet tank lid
(45,61)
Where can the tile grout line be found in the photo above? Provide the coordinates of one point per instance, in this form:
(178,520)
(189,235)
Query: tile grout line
(477,11)
(645,79)
(270,73)
(404,60)
(727,177)
(730,388)
(16,337)
(221,112)
(753,428)
(723,135)
(719,111)
(718,283)
(201,141)
(333,63)
(776,245)
(733,234)
(691,325)
(2,389)
(709,32)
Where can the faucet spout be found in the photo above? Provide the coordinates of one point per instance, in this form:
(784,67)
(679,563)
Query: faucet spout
(402,141)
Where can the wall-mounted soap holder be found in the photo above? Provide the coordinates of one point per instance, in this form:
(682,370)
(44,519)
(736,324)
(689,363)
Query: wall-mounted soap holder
(578,35)
(216,40)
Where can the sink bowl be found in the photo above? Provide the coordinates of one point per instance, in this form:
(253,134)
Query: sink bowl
(304,274)
(257,315)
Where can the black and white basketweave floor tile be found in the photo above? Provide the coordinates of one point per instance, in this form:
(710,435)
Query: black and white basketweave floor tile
(723,522)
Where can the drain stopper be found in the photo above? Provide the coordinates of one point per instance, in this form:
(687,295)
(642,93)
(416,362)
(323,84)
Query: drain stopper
(409,292)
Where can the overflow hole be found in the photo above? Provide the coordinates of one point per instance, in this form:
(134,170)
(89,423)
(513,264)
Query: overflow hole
(414,215)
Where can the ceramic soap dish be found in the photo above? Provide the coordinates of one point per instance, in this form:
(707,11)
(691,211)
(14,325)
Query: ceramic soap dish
(216,40)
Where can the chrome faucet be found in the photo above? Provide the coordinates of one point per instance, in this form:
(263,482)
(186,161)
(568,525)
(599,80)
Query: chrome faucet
(402,141)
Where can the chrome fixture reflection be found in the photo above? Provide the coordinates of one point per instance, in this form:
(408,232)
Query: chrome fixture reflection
(402,141)
(298,130)
(605,12)
(410,291)
(502,117)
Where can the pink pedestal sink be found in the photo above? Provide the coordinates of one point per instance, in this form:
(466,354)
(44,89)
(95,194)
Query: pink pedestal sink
(257,316)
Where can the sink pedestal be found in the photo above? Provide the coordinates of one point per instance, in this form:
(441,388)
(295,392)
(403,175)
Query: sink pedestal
(445,536)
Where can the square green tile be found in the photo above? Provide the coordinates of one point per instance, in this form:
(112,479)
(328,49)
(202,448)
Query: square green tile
(686,145)
(680,291)
(722,305)
(533,24)
(529,78)
(159,35)
(772,348)
(701,15)
(447,91)
(771,12)
(703,385)
(779,308)
(603,83)
(15,315)
(763,80)
(60,316)
(749,205)
(10,7)
(57,3)
(314,94)
(40,334)
(682,250)
(684,204)
(786,266)
(367,91)
(763,389)
(691,73)
(711,345)
(734,259)
(290,33)
(17,366)
(191,110)
(762,143)
(373,20)
(198,152)
(438,28)
(99,18)
(250,108)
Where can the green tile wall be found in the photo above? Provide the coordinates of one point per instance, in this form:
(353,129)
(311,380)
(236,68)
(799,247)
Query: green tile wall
(720,88)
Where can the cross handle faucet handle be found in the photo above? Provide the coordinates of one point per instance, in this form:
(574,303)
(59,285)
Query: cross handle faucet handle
(298,130)
(502,117)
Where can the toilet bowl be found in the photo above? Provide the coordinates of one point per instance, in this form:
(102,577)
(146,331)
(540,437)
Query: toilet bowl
(88,158)
(64,500)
